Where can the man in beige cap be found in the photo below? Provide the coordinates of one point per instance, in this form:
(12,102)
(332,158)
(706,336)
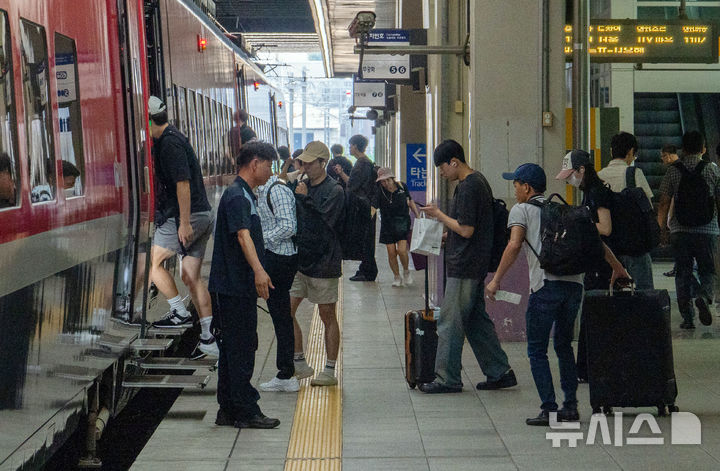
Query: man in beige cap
(320,201)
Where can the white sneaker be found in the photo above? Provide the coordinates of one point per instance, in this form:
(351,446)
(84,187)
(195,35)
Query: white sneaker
(408,279)
(398,282)
(281,385)
(303,370)
(209,347)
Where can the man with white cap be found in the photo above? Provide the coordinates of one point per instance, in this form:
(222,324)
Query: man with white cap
(320,202)
(184,224)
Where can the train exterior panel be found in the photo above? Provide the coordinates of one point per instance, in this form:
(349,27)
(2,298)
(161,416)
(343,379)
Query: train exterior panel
(75,252)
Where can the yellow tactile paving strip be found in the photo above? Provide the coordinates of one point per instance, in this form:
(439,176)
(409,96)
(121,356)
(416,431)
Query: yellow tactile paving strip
(316,435)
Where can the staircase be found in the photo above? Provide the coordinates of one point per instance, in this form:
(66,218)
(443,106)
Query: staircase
(657,123)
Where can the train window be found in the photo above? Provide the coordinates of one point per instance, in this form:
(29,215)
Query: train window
(192,119)
(38,118)
(218,139)
(226,148)
(69,116)
(181,110)
(207,123)
(200,123)
(9,168)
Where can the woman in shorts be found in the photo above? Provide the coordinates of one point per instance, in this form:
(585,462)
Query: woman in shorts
(393,202)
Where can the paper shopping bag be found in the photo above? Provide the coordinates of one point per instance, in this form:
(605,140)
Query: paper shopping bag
(426,236)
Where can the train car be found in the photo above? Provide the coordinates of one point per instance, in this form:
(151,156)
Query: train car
(76,194)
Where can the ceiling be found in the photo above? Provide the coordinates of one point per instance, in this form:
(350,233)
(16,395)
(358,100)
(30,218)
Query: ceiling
(292,26)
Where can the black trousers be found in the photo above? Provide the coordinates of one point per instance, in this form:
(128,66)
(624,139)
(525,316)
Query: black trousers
(281,269)
(235,321)
(368,268)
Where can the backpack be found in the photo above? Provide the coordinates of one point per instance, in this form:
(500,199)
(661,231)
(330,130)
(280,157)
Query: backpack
(501,234)
(694,205)
(571,244)
(635,230)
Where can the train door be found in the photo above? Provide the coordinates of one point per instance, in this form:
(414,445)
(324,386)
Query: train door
(131,285)
(273,121)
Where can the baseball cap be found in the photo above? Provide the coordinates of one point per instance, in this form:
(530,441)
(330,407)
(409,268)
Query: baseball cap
(384,173)
(313,151)
(532,174)
(573,160)
(155,106)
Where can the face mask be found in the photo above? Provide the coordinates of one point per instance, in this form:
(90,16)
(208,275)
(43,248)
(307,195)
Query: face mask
(575,180)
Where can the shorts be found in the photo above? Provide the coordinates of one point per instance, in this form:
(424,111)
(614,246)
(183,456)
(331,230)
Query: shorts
(315,290)
(166,235)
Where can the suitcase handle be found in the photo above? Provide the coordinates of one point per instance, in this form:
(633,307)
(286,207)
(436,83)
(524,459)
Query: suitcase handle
(624,285)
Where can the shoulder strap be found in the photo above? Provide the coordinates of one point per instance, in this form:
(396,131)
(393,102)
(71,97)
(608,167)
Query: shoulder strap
(681,166)
(630,176)
(269,203)
(699,167)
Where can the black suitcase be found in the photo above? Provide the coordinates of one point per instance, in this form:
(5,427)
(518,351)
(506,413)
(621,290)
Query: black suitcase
(629,350)
(420,343)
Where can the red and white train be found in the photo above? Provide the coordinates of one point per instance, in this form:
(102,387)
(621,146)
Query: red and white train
(76,202)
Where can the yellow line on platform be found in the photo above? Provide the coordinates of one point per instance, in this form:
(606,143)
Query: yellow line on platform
(316,435)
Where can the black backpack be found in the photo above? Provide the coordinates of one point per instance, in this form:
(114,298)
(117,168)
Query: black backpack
(501,233)
(571,244)
(635,230)
(694,204)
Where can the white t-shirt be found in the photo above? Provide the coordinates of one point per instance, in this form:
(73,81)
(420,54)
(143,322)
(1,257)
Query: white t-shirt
(528,216)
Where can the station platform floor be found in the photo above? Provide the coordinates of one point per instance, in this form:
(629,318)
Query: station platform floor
(373,421)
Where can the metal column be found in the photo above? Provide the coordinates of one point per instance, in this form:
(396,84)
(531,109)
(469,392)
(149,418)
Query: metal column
(581,76)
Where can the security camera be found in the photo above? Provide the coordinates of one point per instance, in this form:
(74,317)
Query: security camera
(362,24)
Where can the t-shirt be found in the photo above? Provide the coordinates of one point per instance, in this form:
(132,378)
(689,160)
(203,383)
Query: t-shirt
(597,197)
(471,206)
(175,161)
(528,216)
(361,181)
(230,272)
(343,162)
(395,203)
(615,175)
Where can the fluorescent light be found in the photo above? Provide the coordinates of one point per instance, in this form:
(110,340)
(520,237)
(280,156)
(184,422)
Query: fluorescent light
(324,33)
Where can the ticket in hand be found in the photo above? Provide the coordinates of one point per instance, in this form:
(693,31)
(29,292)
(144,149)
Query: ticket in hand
(508,297)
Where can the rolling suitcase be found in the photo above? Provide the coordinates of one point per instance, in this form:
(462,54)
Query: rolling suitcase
(420,343)
(629,349)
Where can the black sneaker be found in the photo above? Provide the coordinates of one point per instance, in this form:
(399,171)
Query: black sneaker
(358,277)
(542,420)
(687,325)
(257,421)
(703,311)
(173,320)
(437,388)
(670,274)
(507,380)
(567,414)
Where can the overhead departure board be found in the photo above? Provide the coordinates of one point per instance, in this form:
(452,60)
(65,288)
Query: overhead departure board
(684,41)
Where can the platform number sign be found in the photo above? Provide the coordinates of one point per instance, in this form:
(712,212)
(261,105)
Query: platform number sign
(387,66)
(416,167)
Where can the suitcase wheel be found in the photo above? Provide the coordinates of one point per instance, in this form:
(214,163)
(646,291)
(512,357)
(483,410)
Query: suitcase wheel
(597,410)
(673,408)
(412,385)
(661,411)
(607,410)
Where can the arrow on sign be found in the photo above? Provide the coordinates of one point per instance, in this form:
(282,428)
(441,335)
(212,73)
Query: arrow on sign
(418,153)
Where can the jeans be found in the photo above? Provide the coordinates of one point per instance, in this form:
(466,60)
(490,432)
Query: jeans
(555,303)
(700,249)
(368,268)
(281,269)
(640,269)
(235,321)
(463,314)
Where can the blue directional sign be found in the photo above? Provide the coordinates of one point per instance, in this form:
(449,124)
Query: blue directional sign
(416,167)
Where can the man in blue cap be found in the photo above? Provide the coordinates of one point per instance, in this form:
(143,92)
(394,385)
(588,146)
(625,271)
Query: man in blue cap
(553,299)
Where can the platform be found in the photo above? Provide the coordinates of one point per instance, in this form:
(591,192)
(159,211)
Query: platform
(386,426)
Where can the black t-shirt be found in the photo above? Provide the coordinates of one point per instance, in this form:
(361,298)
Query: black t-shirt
(230,273)
(175,161)
(361,181)
(343,162)
(597,197)
(395,203)
(471,206)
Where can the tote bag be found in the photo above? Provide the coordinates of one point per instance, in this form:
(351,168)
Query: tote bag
(426,236)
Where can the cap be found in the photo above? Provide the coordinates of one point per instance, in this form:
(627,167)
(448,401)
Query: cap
(155,106)
(313,151)
(529,173)
(573,160)
(384,173)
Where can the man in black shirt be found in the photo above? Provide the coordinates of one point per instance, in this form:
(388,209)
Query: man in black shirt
(320,202)
(237,278)
(342,161)
(361,183)
(183,225)
(467,256)
(241,133)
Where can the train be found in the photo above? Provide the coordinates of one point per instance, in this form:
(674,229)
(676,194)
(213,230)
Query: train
(77,199)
